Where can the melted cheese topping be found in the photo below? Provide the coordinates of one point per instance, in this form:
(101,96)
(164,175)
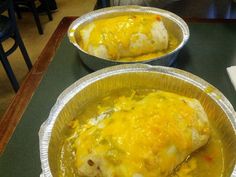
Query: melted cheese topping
(125,36)
(140,136)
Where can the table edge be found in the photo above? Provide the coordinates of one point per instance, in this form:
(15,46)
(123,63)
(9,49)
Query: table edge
(18,105)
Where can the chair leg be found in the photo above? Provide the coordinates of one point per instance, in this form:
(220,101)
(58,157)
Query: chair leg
(36,16)
(8,70)
(23,49)
(46,5)
(17,10)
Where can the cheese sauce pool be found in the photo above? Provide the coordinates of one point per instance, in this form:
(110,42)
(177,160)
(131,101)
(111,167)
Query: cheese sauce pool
(206,161)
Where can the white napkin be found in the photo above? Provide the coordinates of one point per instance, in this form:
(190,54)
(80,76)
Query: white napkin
(232,75)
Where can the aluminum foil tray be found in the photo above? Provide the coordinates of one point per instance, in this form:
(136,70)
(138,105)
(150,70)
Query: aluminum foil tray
(220,112)
(173,23)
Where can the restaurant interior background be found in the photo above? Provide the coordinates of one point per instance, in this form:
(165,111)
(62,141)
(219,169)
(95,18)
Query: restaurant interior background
(57,64)
(34,42)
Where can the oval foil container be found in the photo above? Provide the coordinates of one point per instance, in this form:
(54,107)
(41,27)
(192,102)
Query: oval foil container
(136,76)
(173,23)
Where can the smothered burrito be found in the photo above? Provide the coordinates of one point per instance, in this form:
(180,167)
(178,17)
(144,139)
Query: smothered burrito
(138,135)
(128,37)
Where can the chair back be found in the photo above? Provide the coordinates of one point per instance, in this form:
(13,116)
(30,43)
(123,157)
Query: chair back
(7,5)
(4,5)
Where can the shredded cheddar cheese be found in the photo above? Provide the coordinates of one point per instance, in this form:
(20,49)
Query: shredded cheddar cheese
(147,135)
(127,38)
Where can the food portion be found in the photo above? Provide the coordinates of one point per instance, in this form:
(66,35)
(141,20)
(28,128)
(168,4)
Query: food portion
(142,134)
(127,38)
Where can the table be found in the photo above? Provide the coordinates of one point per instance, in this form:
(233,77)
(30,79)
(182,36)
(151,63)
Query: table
(210,50)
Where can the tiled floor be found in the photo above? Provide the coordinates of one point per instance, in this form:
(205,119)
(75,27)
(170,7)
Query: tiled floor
(35,42)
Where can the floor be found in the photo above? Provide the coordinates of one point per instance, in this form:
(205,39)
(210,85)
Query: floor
(35,42)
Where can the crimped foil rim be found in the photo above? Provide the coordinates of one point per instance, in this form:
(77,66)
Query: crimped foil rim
(71,91)
(130,8)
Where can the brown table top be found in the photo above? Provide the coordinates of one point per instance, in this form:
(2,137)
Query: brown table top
(17,107)
(28,88)
(196,11)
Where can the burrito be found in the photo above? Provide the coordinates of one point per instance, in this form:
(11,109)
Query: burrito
(124,36)
(139,135)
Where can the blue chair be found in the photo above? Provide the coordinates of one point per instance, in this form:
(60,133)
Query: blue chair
(8,29)
(102,4)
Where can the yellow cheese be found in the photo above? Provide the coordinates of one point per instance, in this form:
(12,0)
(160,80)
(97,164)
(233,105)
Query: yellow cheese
(127,37)
(140,136)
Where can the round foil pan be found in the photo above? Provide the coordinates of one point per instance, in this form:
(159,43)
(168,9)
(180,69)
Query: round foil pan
(96,85)
(173,23)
